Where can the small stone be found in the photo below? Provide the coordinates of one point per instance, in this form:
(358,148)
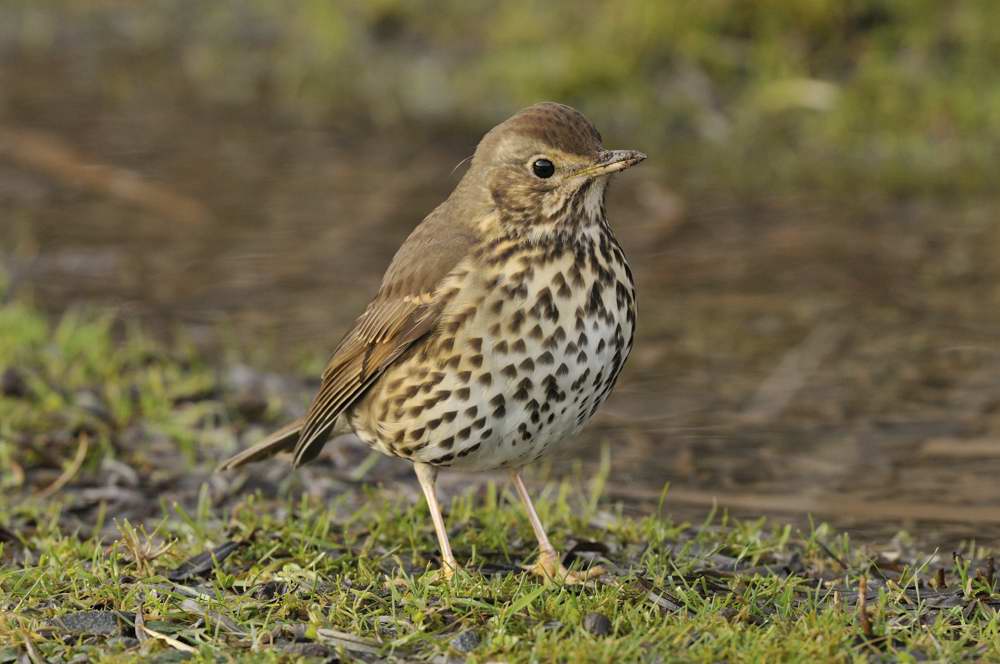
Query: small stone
(13,384)
(597,624)
(89,401)
(92,623)
(204,562)
(269,590)
(465,641)
(251,405)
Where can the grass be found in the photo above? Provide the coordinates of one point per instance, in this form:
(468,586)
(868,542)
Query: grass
(310,579)
(117,544)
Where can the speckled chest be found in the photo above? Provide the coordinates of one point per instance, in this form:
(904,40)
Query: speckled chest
(531,343)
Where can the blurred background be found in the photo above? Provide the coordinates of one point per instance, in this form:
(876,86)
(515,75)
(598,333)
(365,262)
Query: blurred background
(814,235)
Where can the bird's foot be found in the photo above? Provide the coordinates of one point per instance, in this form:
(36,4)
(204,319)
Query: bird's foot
(549,566)
(443,574)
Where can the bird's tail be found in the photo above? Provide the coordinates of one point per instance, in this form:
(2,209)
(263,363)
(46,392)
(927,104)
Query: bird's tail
(282,440)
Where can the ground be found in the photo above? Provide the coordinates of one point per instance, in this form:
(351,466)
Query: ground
(119,544)
(814,239)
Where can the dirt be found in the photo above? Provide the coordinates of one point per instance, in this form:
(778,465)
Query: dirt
(831,352)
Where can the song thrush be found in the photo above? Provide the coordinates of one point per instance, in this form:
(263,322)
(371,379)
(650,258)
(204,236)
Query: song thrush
(500,326)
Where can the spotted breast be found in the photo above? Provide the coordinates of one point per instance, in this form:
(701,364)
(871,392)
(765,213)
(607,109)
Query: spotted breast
(531,341)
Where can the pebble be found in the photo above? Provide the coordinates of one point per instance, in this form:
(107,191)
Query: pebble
(465,641)
(13,384)
(597,624)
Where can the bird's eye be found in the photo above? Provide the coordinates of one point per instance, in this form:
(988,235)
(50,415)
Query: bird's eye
(543,168)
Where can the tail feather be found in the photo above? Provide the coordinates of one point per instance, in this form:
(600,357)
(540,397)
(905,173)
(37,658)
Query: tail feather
(282,440)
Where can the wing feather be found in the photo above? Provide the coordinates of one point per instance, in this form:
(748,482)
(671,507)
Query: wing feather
(408,306)
(360,360)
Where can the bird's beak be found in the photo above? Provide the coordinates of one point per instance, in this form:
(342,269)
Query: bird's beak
(611,161)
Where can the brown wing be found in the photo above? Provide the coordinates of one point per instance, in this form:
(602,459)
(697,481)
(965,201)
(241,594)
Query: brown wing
(407,307)
(383,332)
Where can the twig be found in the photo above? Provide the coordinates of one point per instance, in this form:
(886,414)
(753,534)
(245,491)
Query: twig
(17,473)
(828,551)
(29,647)
(71,469)
(140,625)
(214,617)
(350,642)
(172,642)
(788,378)
(840,505)
(863,618)
(954,448)
(51,156)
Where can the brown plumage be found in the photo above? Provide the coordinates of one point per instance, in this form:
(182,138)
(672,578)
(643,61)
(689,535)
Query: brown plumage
(501,324)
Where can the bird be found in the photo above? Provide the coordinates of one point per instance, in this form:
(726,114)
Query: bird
(500,326)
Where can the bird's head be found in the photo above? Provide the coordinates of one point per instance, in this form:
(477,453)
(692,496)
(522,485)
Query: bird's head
(546,166)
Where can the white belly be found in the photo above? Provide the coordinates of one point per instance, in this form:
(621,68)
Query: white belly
(551,375)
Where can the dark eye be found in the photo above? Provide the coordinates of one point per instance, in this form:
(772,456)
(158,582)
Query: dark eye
(543,168)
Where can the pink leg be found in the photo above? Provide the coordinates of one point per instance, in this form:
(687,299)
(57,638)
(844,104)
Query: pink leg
(549,564)
(427,475)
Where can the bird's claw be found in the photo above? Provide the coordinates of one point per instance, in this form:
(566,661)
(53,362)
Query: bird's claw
(550,568)
(445,573)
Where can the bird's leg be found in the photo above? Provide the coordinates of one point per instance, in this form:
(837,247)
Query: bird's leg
(549,564)
(427,474)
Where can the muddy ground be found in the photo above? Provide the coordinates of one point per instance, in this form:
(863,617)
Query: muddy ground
(829,353)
